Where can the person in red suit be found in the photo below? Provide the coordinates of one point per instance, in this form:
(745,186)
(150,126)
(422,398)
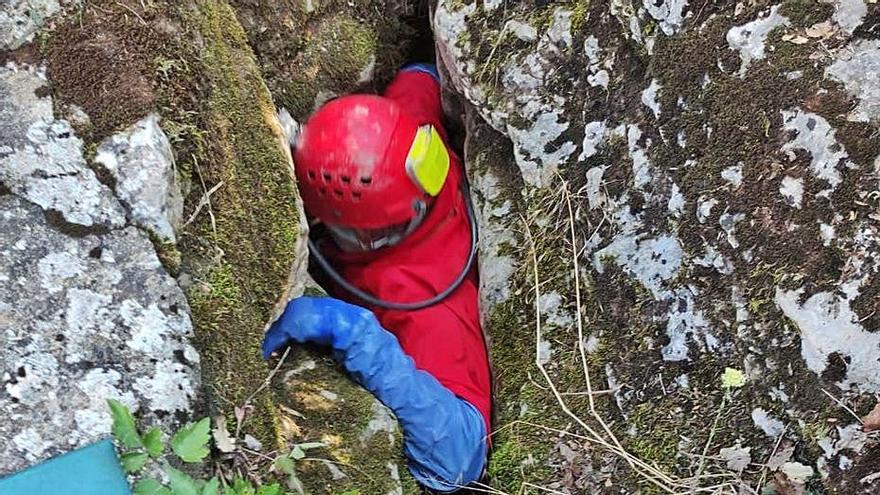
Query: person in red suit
(395,230)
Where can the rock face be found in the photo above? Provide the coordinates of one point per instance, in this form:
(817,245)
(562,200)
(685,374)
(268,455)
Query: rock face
(20,19)
(87,312)
(665,189)
(311,52)
(42,159)
(141,165)
(92,203)
(694,187)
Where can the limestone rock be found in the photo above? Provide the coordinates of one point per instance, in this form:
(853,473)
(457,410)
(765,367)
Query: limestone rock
(82,320)
(20,19)
(87,312)
(691,208)
(141,163)
(41,159)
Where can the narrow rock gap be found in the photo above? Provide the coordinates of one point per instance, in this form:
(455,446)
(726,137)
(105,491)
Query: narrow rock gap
(420,47)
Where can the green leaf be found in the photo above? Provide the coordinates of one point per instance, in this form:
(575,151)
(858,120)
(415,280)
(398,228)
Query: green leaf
(241,487)
(153,442)
(284,464)
(133,462)
(150,487)
(124,429)
(212,487)
(311,445)
(273,489)
(354,491)
(733,378)
(297,452)
(190,443)
(181,483)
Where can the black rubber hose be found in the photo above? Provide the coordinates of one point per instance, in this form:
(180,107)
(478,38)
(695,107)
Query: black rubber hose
(411,306)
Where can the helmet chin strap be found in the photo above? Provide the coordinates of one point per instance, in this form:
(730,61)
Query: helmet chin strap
(407,306)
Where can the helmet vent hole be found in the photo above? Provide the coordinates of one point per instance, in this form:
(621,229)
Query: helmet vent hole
(322,191)
(346,179)
(366,180)
(338,193)
(327,177)
(312,175)
(356,195)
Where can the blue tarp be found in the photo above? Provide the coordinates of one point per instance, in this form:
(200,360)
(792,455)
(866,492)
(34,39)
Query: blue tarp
(92,470)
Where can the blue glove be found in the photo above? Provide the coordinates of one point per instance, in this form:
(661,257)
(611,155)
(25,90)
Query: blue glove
(422,67)
(444,437)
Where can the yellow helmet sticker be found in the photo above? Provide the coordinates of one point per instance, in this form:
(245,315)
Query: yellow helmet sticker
(428,160)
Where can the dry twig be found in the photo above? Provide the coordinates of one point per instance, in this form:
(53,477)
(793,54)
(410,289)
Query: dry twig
(605,437)
(263,386)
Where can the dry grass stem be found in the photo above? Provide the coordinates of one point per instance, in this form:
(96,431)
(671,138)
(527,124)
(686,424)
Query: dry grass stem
(604,436)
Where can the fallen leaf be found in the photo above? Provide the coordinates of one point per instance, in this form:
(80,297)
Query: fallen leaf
(239,415)
(335,472)
(779,458)
(796,39)
(288,427)
(784,486)
(293,412)
(737,457)
(820,30)
(775,168)
(252,443)
(871,422)
(566,452)
(224,442)
(797,472)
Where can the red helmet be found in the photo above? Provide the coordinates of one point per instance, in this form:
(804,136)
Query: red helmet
(357,164)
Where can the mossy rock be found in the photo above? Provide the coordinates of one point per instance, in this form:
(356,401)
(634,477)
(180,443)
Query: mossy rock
(243,267)
(193,63)
(713,123)
(314,50)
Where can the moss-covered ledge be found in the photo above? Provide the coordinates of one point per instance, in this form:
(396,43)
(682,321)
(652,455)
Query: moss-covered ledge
(246,257)
(239,251)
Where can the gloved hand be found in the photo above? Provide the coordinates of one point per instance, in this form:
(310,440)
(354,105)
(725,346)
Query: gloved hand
(317,320)
(444,437)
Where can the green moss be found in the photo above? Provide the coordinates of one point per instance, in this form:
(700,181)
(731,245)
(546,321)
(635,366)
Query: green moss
(579,14)
(167,252)
(339,49)
(804,13)
(241,261)
(518,459)
(541,19)
(340,423)
(326,48)
(655,440)
(243,266)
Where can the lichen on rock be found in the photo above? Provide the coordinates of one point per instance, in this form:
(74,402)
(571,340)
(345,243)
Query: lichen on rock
(87,312)
(721,185)
(21,19)
(140,164)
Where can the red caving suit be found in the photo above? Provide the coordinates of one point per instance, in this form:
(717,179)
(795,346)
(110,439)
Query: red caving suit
(446,339)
